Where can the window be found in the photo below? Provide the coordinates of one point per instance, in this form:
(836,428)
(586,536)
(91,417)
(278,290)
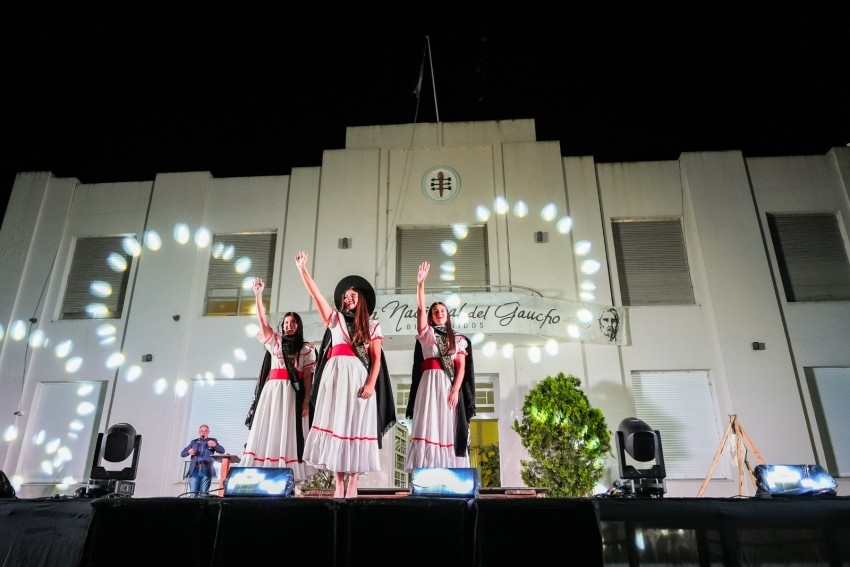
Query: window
(811,256)
(400,476)
(63,432)
(681,407)
(652,265)
(830,391)
(97,281)
(457,254)
(222,405)
(236,259)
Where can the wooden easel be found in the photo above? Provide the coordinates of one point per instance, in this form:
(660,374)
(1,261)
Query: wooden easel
(741,436)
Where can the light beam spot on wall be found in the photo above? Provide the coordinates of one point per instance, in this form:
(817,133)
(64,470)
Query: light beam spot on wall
(227,370)
(100,288)
(76,425)
(551,347)
(489,348)
(588,285)
(47,468)
(52,446)
(10,433)
(38,339)
(38,438)
(108,341)
(447,277)
(105,330)
(520,209)
(477,339)
(181,387)
(587,296)
(209,377)
(251,329)
(448,266)
(507,350)
(482,213)
(590,267)
(64,453)
(239,354)
(243,266)
(500,205)
(18,330)
(181,233)
(133,373)
(452,300)
(153,241)
(160,386)
(564,225)
(449,247)
(584,315)
(84,389)
(202,238)
(549,212)
(67,482)
(460,231)
(573,331)
(131,246)
(86,408)
(116,262)
(581,248)
(97,310)
(534,355)
(73,364)
(228,253)
(115,360)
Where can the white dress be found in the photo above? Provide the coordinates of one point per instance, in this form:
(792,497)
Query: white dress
(272,441)
(344,433)
(432,440)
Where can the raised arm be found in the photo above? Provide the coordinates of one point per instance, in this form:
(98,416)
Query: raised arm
(422,314)
(265,328)
(325,310)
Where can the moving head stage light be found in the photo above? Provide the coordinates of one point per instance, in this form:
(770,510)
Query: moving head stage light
(117,444)
(643,445)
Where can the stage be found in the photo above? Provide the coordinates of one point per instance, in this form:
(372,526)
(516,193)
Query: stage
(415,530)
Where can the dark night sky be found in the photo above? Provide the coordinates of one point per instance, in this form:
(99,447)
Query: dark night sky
(120,97)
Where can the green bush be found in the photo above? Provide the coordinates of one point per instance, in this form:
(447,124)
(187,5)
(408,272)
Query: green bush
(567,439)
(491,473)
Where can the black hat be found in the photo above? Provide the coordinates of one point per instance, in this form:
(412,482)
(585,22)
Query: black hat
(360,284)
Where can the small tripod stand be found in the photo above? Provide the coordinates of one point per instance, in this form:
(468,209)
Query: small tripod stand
(741,436)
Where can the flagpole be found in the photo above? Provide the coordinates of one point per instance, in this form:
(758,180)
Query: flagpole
(433,84)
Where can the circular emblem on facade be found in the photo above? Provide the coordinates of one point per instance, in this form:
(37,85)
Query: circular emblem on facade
(441,184)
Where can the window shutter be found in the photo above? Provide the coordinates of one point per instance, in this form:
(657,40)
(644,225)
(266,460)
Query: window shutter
(680,405)
(99,274)
(811,256)
(651,262)
(830,390)
(63,431)
(458,256)
(226,293)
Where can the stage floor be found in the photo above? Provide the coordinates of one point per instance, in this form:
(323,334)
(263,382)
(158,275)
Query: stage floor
(415,530)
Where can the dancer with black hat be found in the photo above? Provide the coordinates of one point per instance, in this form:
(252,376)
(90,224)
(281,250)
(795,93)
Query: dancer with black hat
(441,402)
(353,405)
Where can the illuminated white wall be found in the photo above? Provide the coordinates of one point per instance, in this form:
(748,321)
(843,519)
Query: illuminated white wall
(363,192)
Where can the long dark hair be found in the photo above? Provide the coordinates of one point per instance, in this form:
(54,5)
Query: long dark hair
(297,340)
(361,317)
(450,332)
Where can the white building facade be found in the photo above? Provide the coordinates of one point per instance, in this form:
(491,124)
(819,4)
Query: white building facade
(720,314)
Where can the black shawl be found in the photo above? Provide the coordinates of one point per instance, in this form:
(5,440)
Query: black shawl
(383,389)
(465,408)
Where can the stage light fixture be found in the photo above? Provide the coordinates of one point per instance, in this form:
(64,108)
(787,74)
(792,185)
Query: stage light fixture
(118,443)
(643,444)
(793,480)
(437,481)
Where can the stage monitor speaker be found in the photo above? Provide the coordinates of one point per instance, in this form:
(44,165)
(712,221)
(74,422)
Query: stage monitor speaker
(793,480)
(461,482)
(259,481)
